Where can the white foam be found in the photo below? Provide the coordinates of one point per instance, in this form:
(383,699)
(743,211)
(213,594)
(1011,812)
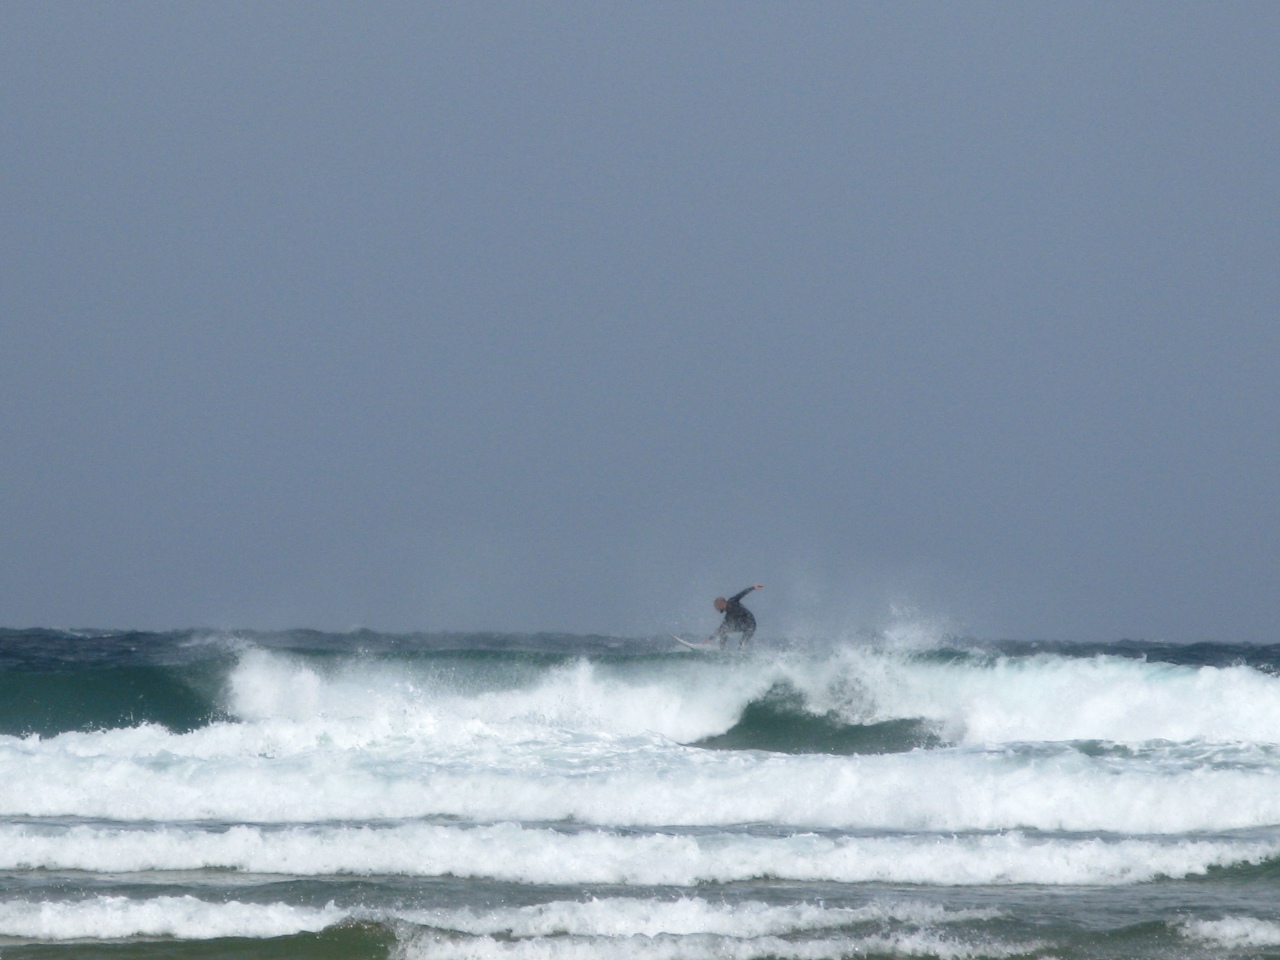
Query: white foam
(1053,698)
(381,698)
(602,744)
(624,917)
(546,856)
(289,701)
(1234,932)
(694,928)
(148,774)
(703,947)
(187,918)
(974,699)
(622,927)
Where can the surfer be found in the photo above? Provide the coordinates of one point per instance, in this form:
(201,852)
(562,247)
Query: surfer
(737,618)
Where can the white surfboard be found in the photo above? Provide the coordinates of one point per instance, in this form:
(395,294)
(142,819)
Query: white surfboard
(700,647)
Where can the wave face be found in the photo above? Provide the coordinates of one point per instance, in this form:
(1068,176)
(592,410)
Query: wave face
(473,795)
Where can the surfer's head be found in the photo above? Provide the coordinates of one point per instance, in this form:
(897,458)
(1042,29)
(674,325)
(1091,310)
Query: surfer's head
(721,603)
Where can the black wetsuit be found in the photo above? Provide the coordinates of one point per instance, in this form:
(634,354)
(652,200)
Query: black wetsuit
(737,619)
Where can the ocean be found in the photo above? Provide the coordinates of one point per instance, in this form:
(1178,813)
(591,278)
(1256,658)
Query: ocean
(200,794)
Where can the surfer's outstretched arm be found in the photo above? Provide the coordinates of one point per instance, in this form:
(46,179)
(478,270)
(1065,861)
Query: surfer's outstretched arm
(740,595)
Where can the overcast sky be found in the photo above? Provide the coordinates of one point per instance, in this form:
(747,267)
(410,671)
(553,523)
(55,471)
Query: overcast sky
(571,316)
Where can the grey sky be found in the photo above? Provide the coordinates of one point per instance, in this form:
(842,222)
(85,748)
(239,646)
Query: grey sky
(571,316)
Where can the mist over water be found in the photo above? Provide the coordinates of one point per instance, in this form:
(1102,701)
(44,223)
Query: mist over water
(903,794)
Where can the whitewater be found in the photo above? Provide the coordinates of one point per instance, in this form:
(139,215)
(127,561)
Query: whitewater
(300,794)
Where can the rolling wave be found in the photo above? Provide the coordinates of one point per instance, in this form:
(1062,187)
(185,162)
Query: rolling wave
(780,722)
(297,732)
(561,857)
(180,699)
(850,699)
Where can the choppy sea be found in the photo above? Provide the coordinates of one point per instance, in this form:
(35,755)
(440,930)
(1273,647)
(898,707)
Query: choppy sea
(300,794)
